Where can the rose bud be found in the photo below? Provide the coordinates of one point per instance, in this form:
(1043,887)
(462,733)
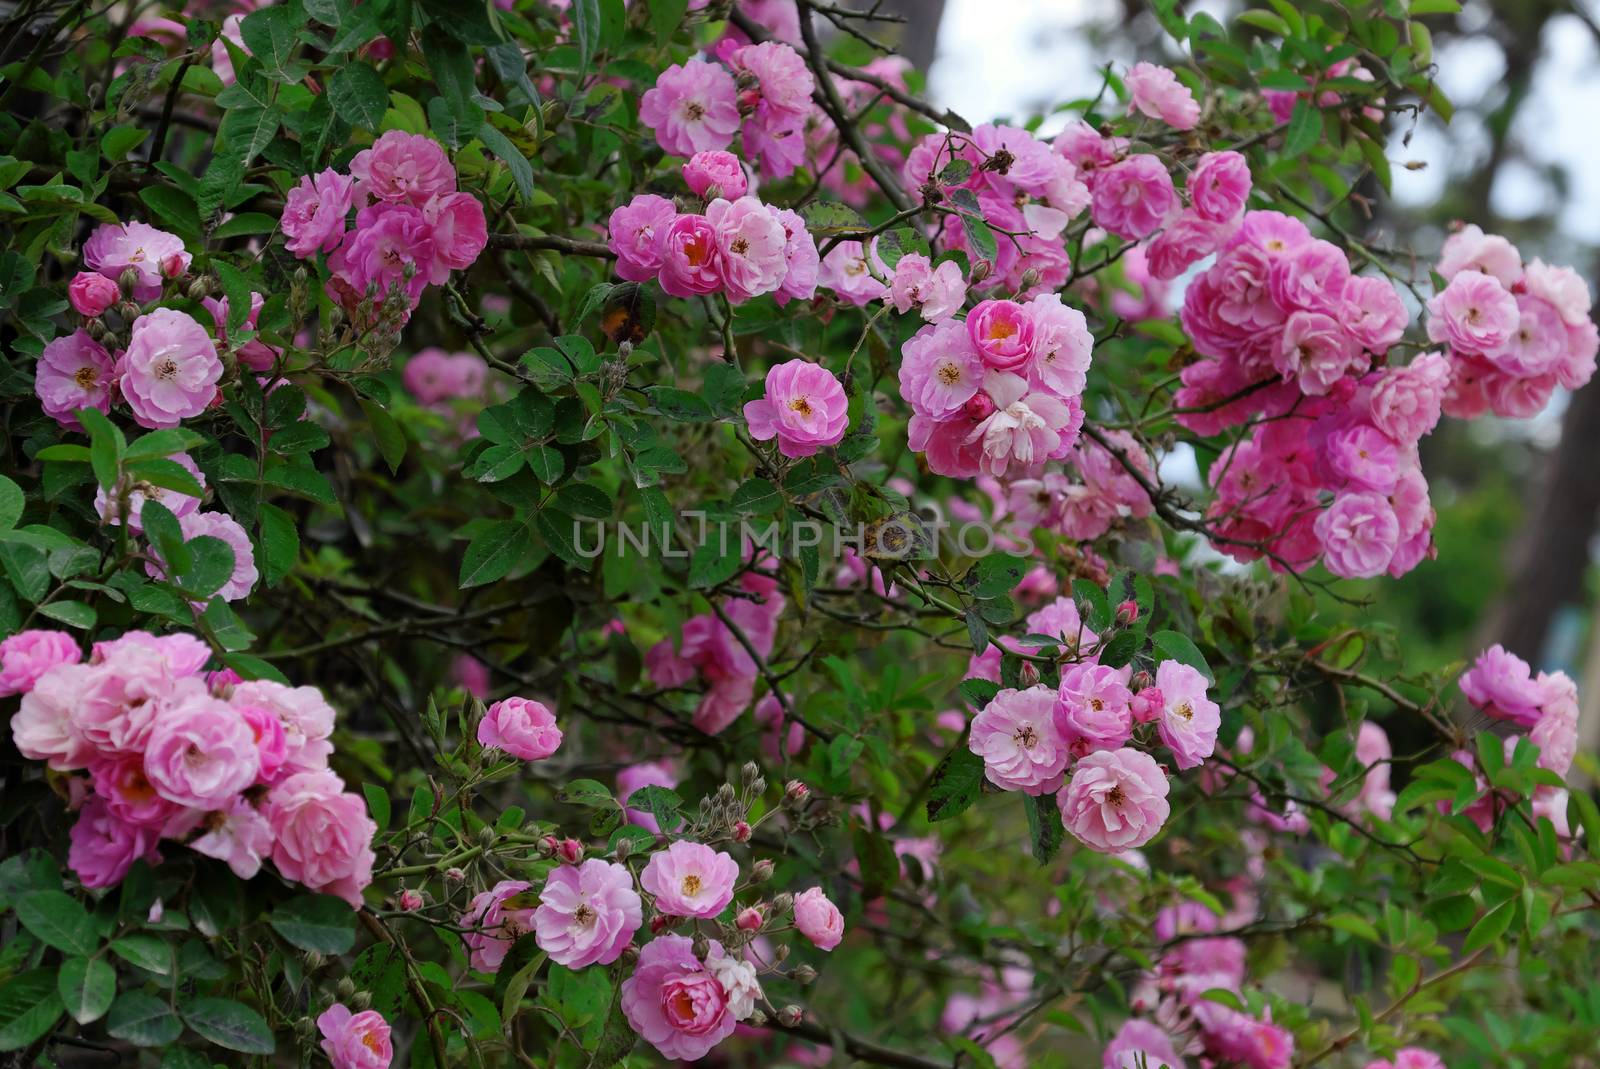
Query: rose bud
(91,294)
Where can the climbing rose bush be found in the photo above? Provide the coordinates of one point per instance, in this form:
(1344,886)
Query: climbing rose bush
(591,534)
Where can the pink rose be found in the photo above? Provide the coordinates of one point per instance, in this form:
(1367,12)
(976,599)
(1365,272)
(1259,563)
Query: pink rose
(715,174)
(1470,249)
(750,244)
(103,848)
(1140,1045)
(403,168)
(1474,313)
(780,83)
(637,233)
(1501,684)
(1406,401)
(1002,334)
(74,372)
(1131,198)
(201,753)
(1156,92)
(494,920)
(524,728)
(390,248)
(323,835)
(1095,708)
(690,880)
(936,292)
(940,370)
(1116,800)
(225,528)
(27,655)
(1373,312)
(304,715)
(1018,737)
(802,264)
(805,409)
(355,1040)
(1358,534)
(238,834)
(1062,346)
(1316,350)
(459,233)
(587,914)
(1361,457)
(314,213)
(674,1002)
(1189,720)
(1410,1058)
(1021,426)
(846,272)
(818,919)
(1186,241)
(691,262)
(114,248)
(92,293)
(1219,185)
(434,376)
(170,370)
(128,794)
(693,107)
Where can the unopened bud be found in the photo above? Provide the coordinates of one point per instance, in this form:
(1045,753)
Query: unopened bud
(783,903)
(725,794)
(623,849)
(345,988)
(630,954)
(315,960)
(199,288)
(1141,680)
(129,280)
(762,870)
(1128,612)
(741,831)
(173,266)
(1029,279)
(980,271)
(454,874)
(702,947)
(803,974)
(750,772)
(410,901)
(570,851)
(660,923)
(757,1019)
(749,919)
(305,1026)
(795,791)
(1028,674)
(548,846)
(791,1016)
(759,785)
(487,835)
(361,1000)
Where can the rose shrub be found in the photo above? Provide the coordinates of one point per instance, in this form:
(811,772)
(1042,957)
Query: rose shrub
(577,533)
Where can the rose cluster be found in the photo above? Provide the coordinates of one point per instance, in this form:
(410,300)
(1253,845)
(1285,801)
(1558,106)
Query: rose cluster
(998,392)
(1025,192)
(1514,331)
(235,770)
(1115,797)
(1094,495)
(412,226)
(710,650)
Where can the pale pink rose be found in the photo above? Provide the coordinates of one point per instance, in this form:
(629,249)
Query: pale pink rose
(304,715)
(254,354)
(1406,401)
(179,504)
(355,1040)
(115,247)
(128,793)
(182,654)
(1556,733)
(74,372)
(1563,288)
(1474,313)
(644,774)
(1140,1045)
(674,1002)
(1410,1058)
(403,168)
(494,920)
(587,914)
(637,234)
(1002,334)
(1315,349)
(92,293)
(434,376)
(750,244)
(1501,684)
(103,848)
(780,83)
(690,880)
(715,174)
(170,370)
(937,292)
(1156,92)
(1470,249)
(524,728)
(805,409)
(1017,736)
(739,983)
(693,107)
(1219,185)
(200,753)
(1116,800)
(238,834)
(846,272)
(800,258)
(1374,752)
(322,835)
(1358,534)
(940,371)
(1132,197)
(1189,720)
(1062,346)
(123,694)
(1094,710)
(458,230)
(27,655)
(818,919)
(691,261)
(314,212)
(1373,312)
(1022,427)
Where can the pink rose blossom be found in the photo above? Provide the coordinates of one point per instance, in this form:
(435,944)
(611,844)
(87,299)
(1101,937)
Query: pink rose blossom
(121,695)
(750,247)
(1562,287)
(637,233)
(1062,346)
(940,370)
(846,272)
(74,372)
(92,293)
(314,212)
(1186,241)
(238,834)
(355,1040)
(674,1002)
(201,753)
(305,716)
(390,248)
(1470,249)
(739,982)
(691,263)
(121,781)
(1116,800)
(1373,752)
(1411,1058)
(27,655)
(1501,684)
(220,525)
(818,919)
(690,880)
(1361,457)
(410,901)
(1556,733)
(799,256)
(434,376)
(115,247)
(170,371)
(1316,350)
(693,107)
(1094,711)
(1373,312)
(103,848)
(1156,92)
(403,168)
(1018,737)
(587,914)
(1140,1045)
(715,174)
(272,742)
(1406,401)
(1132,197)
(1219,185)
(1002,334)
(1189,720)
(524,728)
(494,920)
(254,354)
(1358,534)
(1024,427)
(322,835)
(936,292)
(1474,313)
(779,80)
(805,409)
(458,231)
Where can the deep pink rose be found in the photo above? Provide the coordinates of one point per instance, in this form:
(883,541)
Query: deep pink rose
(637,234)
(674,1002)
(1219,185)
(693,107)
(691,263)
(92,293)
(27,655)
(1359,533)
(715,174)
(1002,334)
(494,920)
(1131,198)
(403,168)
(805,409)
(1094,711)
(459,233)
(524,728)
(103,848)
(314,213)
(1474,313)
(818,919)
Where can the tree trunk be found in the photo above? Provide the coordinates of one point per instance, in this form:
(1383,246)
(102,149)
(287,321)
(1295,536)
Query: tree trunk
(917,38)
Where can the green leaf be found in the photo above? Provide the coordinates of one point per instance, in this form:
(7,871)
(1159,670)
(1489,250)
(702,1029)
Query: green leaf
(996,575)
(161,445)
(86,987)
(280,544)
(118,141)
(321,923)
(229,1024)
(956,783)
(59,920)
(377,804)
(1176,646)
(72,613)
(29,1006)
(586,15)
(1491,926)
(148,952)
(358,95)
(1305,129)
(716,559)
(521,170)
(578,996)
(495,552)
(386,432)
(1044,826)
(11,503)
(173,207)
(211,565)
(143,1020)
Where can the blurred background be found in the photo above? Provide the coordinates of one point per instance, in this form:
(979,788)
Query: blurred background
(1518,501)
